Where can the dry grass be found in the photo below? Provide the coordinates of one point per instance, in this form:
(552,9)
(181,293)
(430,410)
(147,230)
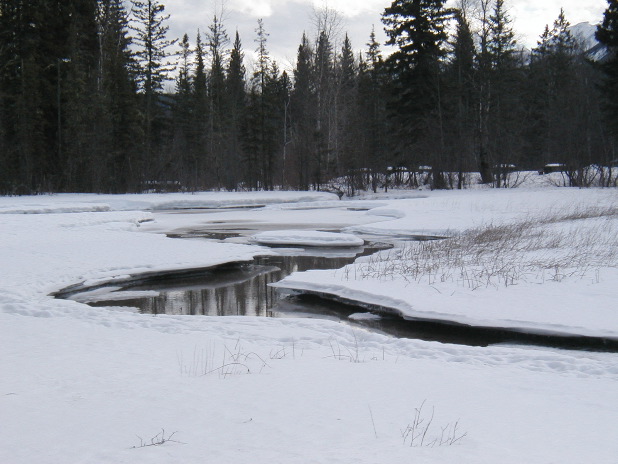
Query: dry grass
(575,243)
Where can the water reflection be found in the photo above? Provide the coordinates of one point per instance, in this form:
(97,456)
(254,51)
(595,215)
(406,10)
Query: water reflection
(241,290)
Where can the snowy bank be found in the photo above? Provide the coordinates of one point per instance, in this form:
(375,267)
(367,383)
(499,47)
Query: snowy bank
(547,266)
(78,203)
(98,385)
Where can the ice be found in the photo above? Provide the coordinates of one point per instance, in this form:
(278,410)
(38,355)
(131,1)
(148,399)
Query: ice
(307,238)
(90,385)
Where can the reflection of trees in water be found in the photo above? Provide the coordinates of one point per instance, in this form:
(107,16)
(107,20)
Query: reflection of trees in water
(252,297)
(241,292)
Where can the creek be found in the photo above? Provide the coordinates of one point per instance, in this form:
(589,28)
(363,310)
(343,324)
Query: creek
(242,289)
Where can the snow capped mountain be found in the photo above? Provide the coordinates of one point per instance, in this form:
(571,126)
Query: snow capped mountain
(584,34)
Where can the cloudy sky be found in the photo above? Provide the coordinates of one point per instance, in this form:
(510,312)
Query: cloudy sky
(285,20)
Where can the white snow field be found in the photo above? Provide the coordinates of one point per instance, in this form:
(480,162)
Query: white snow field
(80,384)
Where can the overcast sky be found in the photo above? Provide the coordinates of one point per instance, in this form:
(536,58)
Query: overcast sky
(285,20)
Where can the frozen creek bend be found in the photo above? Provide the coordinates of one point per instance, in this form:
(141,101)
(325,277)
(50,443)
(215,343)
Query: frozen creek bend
(242,289)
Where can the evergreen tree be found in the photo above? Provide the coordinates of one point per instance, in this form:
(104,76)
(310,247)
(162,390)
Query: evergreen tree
(154,70)
(21,64)
(235,85)
(346,149)
(183,83)
(418,29)
(217,41)
(552,73)
(324,92)
(117,119)
(47,53)
(607,34)
(371,117)
(264,117)
(183,114)
(502,83)
(77,118)
(564,122)
(200,109)
(461,75)
(501,44)
(302,109)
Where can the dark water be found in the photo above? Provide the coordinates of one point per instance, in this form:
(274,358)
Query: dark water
(243,290)
(237,290)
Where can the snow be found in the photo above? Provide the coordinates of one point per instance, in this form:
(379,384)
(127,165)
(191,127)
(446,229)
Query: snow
(82,384)
(364,316)
(307,238)
(535,303)
(74,203)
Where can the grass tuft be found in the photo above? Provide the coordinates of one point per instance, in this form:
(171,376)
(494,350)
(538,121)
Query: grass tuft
(557,247)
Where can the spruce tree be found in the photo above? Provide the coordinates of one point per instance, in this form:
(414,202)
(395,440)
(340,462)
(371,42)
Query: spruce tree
(324,92)
(418,29)
(261,142)
(117,114)
(183,114)
(302,109)
(461,74)
(81,171)
(503,99)
(216,43)
(553,71)
(199,167)
(607,34)
(372,116)
(154,69)
(501,44)
(347,92)
(235,87)
(564,105)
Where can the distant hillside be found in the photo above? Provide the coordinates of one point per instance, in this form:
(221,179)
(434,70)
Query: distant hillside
(584,33)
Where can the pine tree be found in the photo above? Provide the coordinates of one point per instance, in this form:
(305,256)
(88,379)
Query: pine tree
(501,117)
(261,143)
(183,83)
(76,113)
(235,85)
(501,44)
(371,117)
(418,29)
(217,41)
(565,106)
(302,109)
(183,114)
(347,92)
(324,83)
(154,69)
(117,115)
(553,71)
(607,34)
(22,81)
(46,69)
(461,74)
(200,108)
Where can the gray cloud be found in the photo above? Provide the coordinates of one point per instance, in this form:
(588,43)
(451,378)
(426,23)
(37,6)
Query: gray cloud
(286,20)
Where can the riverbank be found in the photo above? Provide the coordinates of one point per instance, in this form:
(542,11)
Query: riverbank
(105,385)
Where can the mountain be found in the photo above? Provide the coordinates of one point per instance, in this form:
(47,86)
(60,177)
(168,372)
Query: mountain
(584,34)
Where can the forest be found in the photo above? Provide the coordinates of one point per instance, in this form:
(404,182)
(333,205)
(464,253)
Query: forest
(96,97)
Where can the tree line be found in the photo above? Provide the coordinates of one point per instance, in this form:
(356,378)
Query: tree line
(86,105)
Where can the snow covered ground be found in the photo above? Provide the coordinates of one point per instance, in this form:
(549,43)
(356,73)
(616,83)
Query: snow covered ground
(101,385)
